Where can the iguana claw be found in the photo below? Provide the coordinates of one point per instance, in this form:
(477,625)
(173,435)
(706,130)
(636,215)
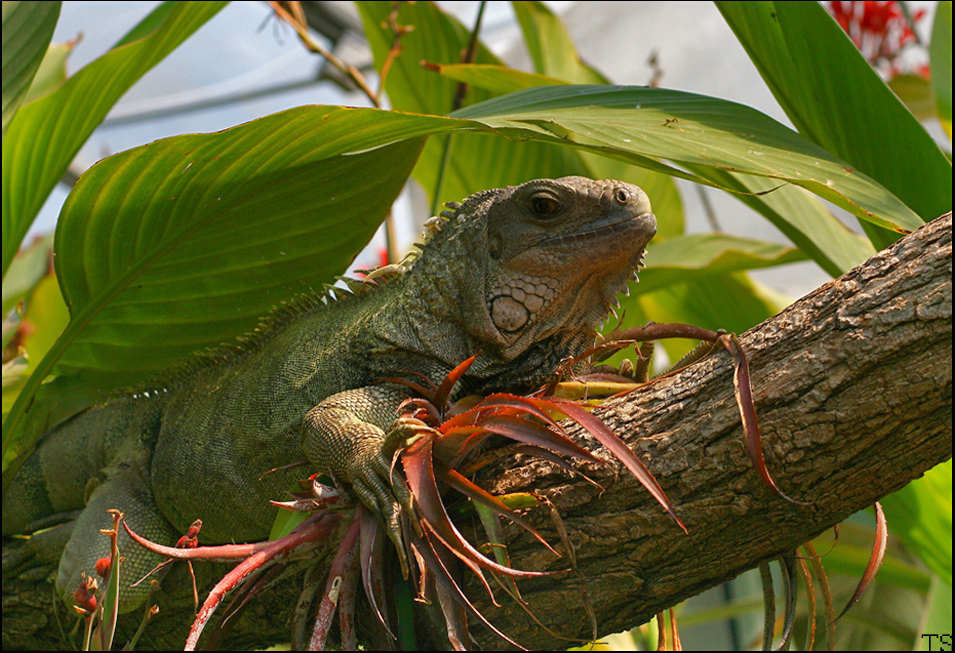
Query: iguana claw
(341,436)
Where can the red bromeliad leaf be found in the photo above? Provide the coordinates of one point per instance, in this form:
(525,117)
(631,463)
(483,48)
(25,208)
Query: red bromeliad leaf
(371,554)
(337,572)
(522,430)
(747,411)
(414,387)
(418,465)
(346,607)
(460,483)
(811,597)
(823,579)
(417,461)
(432,558)
(616,446)
(549,455)
(519,404)
(432,417)
(444,390)
(220,553)
(299,541)
(456,442)
(875,560)
(789,618)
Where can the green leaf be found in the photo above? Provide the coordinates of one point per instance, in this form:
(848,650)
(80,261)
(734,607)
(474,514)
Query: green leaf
(667,204)
(30,265)
(498,80)
(551,47)
(838,101)
(45,135)
(803,218)
(472,163)
(718,301)
(940,60)
(180,244)
(52,72)
(645,125)
(683,258)
(916,93)
(27,30)
(240,219)
(920,514)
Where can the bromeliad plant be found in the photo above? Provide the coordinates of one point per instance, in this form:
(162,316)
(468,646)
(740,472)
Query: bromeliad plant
(439,444)
(438,439)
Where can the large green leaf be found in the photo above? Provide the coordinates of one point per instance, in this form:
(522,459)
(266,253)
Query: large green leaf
(647,125)
(180,244)
(27,30)
(667,204)
(837,100)
(683,258)
(45,135)
(802,217)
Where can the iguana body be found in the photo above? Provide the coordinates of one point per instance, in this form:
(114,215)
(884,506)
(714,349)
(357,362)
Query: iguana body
(517,275)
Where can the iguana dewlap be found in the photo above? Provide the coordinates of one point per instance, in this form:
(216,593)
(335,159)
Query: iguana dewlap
(518,275)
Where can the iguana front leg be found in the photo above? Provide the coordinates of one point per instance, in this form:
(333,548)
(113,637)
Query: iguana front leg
(354,435)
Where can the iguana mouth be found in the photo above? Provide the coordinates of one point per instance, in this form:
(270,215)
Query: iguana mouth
(645,222)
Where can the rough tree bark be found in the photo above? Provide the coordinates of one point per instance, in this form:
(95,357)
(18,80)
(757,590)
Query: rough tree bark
(853,387)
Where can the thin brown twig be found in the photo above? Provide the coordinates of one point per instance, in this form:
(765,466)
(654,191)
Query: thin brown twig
(398,31)
(299,24)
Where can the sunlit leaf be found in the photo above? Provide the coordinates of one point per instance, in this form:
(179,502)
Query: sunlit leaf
(52,72)
(45,134)
(837,100)
(27,30)
(648,125)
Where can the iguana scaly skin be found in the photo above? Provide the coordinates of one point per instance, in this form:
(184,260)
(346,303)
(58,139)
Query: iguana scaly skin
(517,275)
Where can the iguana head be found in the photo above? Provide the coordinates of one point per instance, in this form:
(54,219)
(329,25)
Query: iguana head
(544,259)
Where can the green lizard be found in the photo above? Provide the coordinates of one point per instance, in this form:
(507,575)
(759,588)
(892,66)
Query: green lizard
(517,275)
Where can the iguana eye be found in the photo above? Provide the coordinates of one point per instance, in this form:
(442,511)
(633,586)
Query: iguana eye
(544,206)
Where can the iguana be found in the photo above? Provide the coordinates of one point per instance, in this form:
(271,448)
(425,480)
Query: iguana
(517,275)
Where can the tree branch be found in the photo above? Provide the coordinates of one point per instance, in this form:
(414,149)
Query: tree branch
(853,387)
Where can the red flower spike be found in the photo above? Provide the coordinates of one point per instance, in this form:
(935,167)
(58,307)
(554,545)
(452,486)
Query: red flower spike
(881,31)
